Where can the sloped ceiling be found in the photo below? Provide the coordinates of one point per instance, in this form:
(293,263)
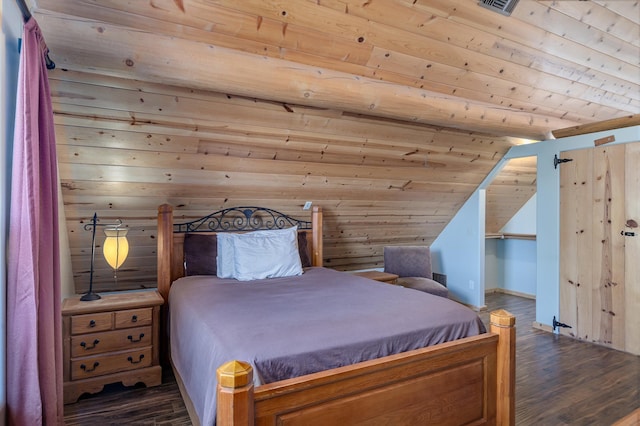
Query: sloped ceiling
(551,64)
(387,113)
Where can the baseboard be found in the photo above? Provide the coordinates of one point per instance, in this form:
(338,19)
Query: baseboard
(543,327)
(511,292)
(470,306)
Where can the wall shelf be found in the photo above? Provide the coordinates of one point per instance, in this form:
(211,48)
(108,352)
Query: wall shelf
(506,235)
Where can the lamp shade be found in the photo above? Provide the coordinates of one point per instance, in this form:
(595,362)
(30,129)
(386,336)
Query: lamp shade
(116,246)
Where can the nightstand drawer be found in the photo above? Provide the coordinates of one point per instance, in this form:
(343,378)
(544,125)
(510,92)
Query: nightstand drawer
(110,363)
(97,343)
(91,323)
(134,318)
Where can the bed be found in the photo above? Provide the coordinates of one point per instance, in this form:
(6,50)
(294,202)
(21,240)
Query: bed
(372,355)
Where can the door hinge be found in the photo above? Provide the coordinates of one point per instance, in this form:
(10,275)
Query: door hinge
(559,324)
(557,160)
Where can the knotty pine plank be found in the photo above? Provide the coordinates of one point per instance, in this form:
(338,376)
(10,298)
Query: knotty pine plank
(224,26)
(376,135)
(347,126)
(266,179)
(608,259)
(529,57)
(438,82)
(437,149)
(524,30)
(609,20)
(146,87)
(106,197)
(611,31)
(173,67)
(628,9)
(576,194)
(399,40)
(220,162)
(632,249)
(184,31)
(118,139)
(418,163)
(179,194)
(437,77)
(271,30)
(570,29)
(415,20)
(132,206)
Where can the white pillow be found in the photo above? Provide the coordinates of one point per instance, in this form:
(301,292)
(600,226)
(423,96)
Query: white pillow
(225,267)
(266,254)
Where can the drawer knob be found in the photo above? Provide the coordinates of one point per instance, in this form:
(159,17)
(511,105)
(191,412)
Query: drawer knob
(135,340)
(92,323)
(130,359)
(86,348)
(134,318)
(89,370)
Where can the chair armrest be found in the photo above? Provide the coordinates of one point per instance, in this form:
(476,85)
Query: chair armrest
(441,278)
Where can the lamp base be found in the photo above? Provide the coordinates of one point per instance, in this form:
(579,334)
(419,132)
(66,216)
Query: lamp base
(88,297)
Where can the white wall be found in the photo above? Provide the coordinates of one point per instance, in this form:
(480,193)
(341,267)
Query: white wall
(459,253)
(11,30)
(518,264)
(493,265)
(510,264)
(524,221)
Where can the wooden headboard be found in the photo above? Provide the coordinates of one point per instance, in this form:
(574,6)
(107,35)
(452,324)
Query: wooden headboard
(236,219)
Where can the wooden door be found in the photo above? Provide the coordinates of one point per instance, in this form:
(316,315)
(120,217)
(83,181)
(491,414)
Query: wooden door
(599,288)
(632,248)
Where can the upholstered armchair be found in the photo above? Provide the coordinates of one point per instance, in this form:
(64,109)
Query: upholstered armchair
(412,264)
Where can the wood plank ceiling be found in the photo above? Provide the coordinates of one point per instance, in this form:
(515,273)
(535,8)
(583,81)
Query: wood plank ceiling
(388,114)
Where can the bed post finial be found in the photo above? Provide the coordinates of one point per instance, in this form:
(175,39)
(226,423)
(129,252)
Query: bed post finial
(503,324)
(235,394)
(165,248)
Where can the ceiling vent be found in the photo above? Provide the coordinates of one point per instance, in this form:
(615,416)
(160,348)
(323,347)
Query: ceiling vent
(501,6)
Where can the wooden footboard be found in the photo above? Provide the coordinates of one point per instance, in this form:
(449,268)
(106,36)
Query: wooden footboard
(468,381)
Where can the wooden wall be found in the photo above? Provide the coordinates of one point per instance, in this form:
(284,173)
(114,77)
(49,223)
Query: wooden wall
(129,141)
(599,270)
(126,146)
(514,185)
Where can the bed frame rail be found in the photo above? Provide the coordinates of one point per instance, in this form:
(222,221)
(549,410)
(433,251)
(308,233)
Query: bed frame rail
(467,381)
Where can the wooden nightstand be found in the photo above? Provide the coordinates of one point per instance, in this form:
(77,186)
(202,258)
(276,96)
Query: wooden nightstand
(384,277)
(113,339)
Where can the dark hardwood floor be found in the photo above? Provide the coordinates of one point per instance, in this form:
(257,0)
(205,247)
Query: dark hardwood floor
(559,381)
(562,381)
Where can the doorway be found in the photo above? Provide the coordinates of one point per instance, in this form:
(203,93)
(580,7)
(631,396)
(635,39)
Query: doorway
(510,228)
(600,245)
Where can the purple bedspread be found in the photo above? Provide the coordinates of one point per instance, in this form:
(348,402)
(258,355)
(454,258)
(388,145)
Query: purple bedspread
(288,327)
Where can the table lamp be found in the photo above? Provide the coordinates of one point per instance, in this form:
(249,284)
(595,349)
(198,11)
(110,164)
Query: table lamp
(115,250)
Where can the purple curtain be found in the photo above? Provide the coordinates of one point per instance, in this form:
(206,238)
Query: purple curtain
(34,336)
